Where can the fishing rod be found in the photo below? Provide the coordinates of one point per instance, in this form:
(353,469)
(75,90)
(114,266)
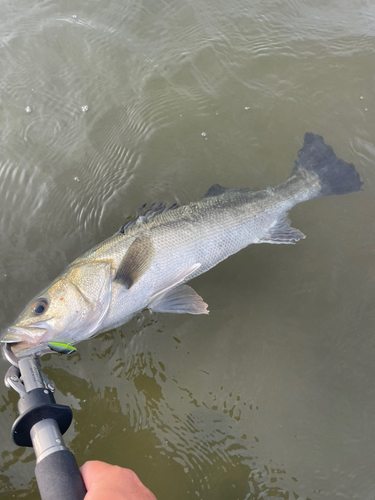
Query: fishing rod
(41,424)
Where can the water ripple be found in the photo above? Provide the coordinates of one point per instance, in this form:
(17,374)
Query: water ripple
(103,107)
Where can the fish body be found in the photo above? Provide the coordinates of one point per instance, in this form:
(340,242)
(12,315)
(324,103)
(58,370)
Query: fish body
(148,261)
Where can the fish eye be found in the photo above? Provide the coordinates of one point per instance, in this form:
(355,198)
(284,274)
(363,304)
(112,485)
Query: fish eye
(40,306)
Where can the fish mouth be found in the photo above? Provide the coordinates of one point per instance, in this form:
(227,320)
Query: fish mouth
(29,334)
(26,340)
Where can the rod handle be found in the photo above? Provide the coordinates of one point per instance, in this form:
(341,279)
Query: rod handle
(59,478)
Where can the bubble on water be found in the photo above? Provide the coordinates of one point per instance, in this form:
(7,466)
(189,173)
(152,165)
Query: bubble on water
(74,16)
(247,107)
(76,179)
(28,109)
(85,108)
(366,109)
(203,134)
(361,97)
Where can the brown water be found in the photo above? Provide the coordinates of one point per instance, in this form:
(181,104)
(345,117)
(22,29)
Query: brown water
(110,104)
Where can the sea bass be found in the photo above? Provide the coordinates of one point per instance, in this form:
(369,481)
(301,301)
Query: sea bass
(148,261)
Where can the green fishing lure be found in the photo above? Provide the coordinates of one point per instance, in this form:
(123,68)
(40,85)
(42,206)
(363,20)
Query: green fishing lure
(62,348)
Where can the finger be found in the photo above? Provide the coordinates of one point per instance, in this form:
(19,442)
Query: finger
(104,481)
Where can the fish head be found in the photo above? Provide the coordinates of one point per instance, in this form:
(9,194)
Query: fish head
(70,310)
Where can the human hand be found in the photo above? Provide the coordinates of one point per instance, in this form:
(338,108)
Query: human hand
(110,482)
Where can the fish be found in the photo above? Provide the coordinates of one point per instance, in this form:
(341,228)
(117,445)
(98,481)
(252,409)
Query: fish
(147,263)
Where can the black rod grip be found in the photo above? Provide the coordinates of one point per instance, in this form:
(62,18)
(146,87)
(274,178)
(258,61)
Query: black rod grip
(59,478)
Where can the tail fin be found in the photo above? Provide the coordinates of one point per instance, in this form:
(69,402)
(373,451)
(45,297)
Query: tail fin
(336,176)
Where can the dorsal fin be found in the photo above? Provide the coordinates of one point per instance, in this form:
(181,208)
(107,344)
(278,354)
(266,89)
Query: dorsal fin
(145,214)
(217,190)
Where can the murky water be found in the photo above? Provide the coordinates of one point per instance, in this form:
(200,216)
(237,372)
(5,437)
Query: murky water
(107,105)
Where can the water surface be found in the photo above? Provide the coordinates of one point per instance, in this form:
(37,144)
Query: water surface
(107,105)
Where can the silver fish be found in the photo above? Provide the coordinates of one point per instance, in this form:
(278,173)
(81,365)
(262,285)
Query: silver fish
(148,261)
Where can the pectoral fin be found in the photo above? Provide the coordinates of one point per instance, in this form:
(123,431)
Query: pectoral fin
(282,232)
(182,299)
(136,261)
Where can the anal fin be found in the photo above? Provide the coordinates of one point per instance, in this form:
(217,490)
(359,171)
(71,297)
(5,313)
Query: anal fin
(282,233)
(182,299)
